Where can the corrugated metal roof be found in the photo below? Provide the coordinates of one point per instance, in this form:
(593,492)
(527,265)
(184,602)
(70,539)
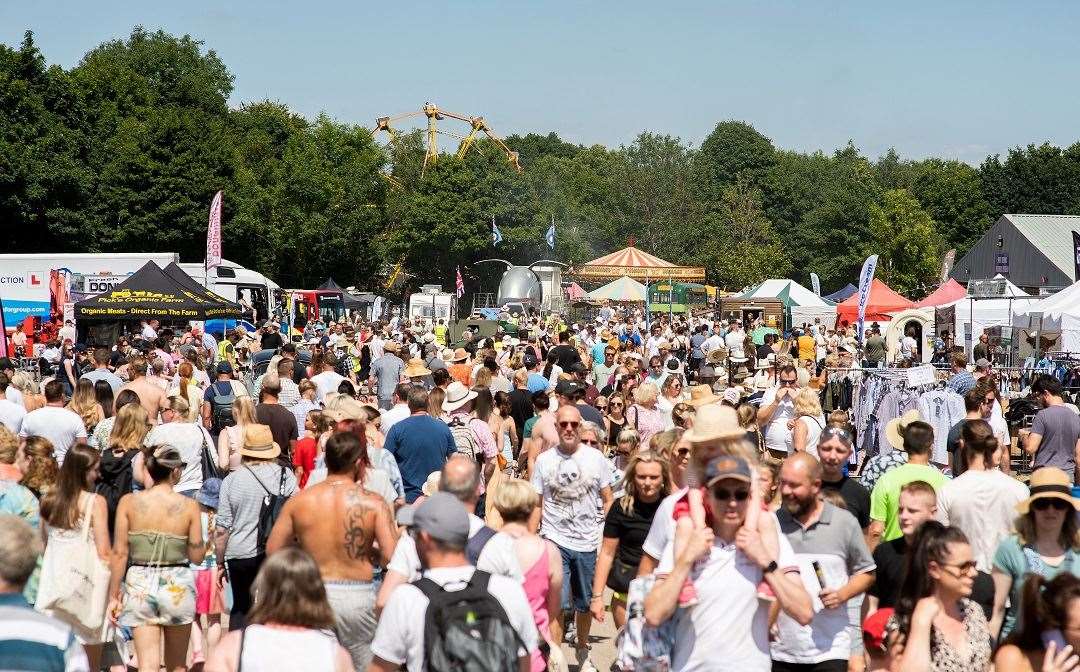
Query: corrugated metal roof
(1052,234)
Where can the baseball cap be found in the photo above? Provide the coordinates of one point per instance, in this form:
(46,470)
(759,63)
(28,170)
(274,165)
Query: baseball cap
(529,360)
(441,515)
(224,367)
(727,467)
(873,628)
(578,367)
(566,388)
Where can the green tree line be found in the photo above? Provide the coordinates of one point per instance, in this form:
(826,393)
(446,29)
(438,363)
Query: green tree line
(124,151)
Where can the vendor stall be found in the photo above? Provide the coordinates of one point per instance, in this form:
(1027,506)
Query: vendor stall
(1059,312)
(883,302)
(624,289)
(801,306)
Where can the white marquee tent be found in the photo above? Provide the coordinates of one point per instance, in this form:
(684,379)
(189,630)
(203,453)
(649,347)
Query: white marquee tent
(803,304)
(985,313)
(1060,312)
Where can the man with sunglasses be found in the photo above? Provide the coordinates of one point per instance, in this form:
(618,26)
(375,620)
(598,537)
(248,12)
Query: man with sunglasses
(828,542)
(574,485)
(978,403)
(729,625)
(834,450)
(777,407)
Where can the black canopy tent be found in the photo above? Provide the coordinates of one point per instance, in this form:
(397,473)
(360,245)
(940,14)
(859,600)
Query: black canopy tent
(350,301)
(151,293)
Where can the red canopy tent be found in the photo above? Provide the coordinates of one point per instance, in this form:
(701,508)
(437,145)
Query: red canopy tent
(883,300)
(947,292)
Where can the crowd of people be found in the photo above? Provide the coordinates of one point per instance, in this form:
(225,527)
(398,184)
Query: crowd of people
(378,496)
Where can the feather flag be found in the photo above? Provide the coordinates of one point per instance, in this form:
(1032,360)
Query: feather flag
(496,235)
(550,237)
(213,234)
(459,285)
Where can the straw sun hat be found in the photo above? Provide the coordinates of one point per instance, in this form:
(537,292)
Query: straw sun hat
(713,422)
(1049,483)
(259,443)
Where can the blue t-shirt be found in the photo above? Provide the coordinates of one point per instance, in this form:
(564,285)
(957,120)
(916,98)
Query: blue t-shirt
(598,352)
(536,383)
(420,444)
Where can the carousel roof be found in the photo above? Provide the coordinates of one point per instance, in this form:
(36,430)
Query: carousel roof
(634,263)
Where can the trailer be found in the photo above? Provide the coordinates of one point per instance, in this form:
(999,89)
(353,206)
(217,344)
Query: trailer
(38,285)
(251,289)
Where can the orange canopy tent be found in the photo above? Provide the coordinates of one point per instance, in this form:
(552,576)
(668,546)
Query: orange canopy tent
(883,300)
(633,263)
(947,292)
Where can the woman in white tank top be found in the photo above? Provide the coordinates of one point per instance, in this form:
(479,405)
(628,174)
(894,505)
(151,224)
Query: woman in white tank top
(808,422)
(290,625)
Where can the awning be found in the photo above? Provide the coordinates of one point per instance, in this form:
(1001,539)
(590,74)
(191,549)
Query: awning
(152,294)
(883,301)
(347,299)
(841,294)
(947,292)
(622,289)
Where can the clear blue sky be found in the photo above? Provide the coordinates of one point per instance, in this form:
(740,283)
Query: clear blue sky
(953,79)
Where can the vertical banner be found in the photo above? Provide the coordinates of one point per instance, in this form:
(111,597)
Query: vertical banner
(3,332)
(815,283)
(550,237)
(866,279)
(496,235)
(459,284)
(946,265)
(1076,255)
(213,234)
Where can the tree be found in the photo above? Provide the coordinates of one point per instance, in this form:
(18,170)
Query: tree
(951,193)
(1040,179)
(739,246)
(907,243)
(733,149)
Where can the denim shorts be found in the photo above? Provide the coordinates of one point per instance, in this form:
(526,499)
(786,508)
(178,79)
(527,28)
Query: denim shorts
(578,568)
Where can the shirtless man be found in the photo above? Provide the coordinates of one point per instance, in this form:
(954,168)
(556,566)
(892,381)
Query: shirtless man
(151,396)
(339,523)
(542,437)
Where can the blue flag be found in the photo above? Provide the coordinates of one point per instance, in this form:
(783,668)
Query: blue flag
(496,235)
(550,237)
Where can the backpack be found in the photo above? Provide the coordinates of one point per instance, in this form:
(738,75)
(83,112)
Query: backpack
(465,438)
(467,630)
(221,415)
(269,511)
(477,542)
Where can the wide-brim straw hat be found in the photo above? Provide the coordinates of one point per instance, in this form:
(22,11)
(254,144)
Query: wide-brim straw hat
(259,443)
(391,346)
(1049,483)
(713,422)
(716,356)
(416,369)
(457,395)
(894,429)
(460,355)
(701,395)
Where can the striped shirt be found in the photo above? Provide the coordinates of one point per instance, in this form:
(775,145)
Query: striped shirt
(240,502)
(33,642)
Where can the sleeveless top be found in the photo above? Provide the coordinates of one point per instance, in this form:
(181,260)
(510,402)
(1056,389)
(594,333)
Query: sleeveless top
(616,428)
(157,549)
(536,583)
(268,649)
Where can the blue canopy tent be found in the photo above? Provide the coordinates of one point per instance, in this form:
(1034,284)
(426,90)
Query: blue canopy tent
(842,294)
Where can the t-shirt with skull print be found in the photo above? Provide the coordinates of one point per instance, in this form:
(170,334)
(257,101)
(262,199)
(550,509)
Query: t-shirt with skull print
(570,486)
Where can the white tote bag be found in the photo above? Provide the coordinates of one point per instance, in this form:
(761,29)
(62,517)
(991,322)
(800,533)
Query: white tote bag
(74,580)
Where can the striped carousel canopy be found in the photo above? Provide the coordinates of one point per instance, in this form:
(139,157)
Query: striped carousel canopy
(633,263)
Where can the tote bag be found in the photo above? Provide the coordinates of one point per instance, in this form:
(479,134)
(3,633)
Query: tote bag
(74,580)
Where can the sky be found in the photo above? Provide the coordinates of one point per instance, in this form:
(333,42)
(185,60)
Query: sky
(955,79)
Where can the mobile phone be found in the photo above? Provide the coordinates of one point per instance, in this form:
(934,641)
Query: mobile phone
(1054,636)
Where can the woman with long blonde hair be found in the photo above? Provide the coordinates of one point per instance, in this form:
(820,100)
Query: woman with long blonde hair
(31,393)
(129,429)
(37,463)
(84,403)
(232,438)
(644,415)
(646,483)
(808,422)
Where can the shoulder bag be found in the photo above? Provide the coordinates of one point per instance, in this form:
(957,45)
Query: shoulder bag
(74,580)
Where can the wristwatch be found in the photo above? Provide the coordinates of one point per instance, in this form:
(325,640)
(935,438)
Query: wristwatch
(771,567)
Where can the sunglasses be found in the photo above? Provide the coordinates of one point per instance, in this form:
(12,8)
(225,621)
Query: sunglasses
(594,443)
(569,424)
(1051,502)
(725,495)
(682,453)
(789,383)
(968,567)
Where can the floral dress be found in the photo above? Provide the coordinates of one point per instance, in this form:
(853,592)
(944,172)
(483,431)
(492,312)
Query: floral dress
(647,422)
(944,657)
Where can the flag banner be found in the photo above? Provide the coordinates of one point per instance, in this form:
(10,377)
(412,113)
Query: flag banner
(1076,255)
(459,285)
(815,283)
(496,235)
(550,237)
(866,279)
(946,265)
(213,234)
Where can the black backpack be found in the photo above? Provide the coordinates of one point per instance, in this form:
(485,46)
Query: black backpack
(221,415)
(270,509)
(467,630)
